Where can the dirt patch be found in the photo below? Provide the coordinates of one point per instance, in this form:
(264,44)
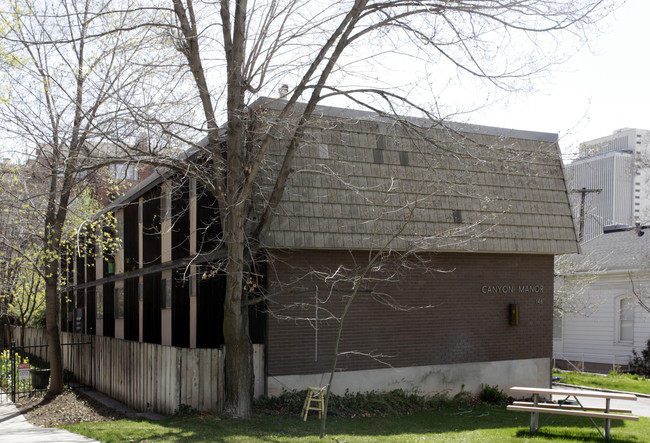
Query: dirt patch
(67,408)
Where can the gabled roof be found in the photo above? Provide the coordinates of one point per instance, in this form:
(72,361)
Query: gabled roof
(619,251)
(363,181)
(360,179)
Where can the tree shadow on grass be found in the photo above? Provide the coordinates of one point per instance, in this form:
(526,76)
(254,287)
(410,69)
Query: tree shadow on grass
(483,422)
(594,436)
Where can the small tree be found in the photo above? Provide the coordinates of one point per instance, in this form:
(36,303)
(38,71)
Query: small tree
(28,301)
(69,65)
(20,259)
(574,274)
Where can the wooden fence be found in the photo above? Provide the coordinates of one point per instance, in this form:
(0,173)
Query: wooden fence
(144,376)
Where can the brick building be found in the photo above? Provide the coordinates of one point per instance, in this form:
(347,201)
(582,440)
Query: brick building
(466,221)
(100,168)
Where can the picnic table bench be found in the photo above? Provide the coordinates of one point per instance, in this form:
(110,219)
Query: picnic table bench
(536,407)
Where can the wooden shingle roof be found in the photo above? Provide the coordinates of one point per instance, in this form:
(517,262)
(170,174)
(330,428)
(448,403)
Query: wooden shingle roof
(361,181)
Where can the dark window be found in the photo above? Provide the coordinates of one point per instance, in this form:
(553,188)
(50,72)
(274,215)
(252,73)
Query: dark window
(130,237)
(151,308)
(403,158)
(378,153)
(131,310)
(181,309)
(91,312)
(180,220)
(209,310)
(151,228)
(208,227)
(381,141)
(109,309)
(378,156)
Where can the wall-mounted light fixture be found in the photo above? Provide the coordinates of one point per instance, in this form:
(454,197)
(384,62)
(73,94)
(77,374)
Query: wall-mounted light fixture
(513,314)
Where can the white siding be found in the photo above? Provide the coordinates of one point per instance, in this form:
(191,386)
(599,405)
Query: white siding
(593,338)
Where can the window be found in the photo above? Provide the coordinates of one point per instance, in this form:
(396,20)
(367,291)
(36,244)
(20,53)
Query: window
(193,285)
(166,206)
(166,293)
(99,301)
(557,327)
(404,158)
(119,302)
(123,172)
(323,151)
(378,153)
(378,156)
(625,310)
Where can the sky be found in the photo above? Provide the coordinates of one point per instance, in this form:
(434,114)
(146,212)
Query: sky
(600,89)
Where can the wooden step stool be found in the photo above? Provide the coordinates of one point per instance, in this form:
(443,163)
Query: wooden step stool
(317,395)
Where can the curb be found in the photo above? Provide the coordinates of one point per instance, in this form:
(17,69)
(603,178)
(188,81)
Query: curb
(590,388)
(120,407)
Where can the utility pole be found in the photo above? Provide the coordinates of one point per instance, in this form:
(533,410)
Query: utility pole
(583,192)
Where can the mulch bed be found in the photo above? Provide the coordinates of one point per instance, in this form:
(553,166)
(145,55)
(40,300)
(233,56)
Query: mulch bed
(67,408)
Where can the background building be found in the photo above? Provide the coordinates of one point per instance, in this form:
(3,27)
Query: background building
(611,180)
(614,172)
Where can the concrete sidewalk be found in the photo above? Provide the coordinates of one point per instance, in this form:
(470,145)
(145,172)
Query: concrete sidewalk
(14,428)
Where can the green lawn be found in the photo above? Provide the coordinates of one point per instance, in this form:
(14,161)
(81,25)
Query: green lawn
(619,382)
(481,423)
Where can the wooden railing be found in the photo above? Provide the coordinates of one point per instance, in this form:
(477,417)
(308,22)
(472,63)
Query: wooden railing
(144,376)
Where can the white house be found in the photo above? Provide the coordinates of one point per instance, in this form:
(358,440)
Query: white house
(611,322)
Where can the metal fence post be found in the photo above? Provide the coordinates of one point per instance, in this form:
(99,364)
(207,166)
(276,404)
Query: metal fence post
(92,359)
(12,356)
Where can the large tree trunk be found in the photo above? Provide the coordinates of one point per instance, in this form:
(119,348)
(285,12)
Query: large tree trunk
(239,359)
(239,352)
(53,340)
(52,242)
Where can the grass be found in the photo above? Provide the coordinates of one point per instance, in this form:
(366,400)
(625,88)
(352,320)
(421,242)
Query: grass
(619,382)
(481,423)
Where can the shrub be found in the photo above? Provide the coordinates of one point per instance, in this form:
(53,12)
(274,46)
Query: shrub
(640,364)
(287,403)
(492,395)
(366,403)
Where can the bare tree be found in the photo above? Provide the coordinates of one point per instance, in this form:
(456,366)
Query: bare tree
(20,281)
(323,51)
(68,65)
(574,274)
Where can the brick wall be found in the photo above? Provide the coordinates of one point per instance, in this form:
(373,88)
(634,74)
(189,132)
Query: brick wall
(446,308)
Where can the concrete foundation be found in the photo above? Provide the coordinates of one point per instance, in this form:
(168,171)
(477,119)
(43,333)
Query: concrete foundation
(428,380)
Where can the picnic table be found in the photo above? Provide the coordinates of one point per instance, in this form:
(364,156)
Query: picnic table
(568,407)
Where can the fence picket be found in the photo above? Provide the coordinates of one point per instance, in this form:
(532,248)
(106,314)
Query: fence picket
(143,376)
